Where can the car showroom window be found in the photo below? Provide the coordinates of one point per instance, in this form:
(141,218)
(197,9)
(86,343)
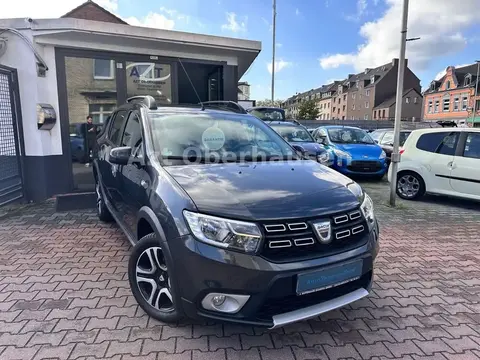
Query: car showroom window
(115,133)
(472,146)
(133,131)
(431,142)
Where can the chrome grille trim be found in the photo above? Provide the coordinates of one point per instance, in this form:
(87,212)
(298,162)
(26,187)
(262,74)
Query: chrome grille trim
(275,228)
(298,226)
(279,244)
(357,229)
(342,234)
(304,242)
(355,215)
(340,219)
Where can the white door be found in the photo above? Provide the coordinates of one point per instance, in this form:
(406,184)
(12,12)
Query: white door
(465,174)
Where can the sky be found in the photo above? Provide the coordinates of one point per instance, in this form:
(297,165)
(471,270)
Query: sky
(318,41)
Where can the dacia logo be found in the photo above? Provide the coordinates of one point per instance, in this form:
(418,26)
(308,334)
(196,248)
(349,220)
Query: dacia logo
(323,229)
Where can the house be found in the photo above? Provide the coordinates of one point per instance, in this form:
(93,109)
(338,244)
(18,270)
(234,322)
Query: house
(453,96)
(325,104)
(411,106)
(243,90)
(89,61)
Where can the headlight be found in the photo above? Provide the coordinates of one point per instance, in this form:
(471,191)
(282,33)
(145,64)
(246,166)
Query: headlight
(224,233)
(383,155)
(356,190)
(367,210)
(323,158)
(342,155)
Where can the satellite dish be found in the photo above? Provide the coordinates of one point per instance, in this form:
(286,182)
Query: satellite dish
(3,47)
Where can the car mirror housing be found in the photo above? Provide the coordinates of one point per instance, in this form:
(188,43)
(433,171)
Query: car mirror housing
(120,155)
(299,149)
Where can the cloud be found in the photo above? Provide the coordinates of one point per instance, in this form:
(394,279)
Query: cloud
(279,65)
(278,45)
(153,20)
(439,23)
(297,12)
(361,9)
(444,71)
(233,25)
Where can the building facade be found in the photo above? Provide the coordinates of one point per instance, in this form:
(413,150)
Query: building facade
(411,107)
(243,90)
(453,96)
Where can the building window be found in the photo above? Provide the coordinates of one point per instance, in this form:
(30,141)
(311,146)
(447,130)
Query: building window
(100,112)
(353,107)
(365,117)
(328,105)
(455,104)
(374,114)
(344,97)
(446,104)
(464,103)
(367,104)
(430,106)
(334,109)
(415,100)
(383,114)
(372,79)
(367,93)
(468,80)
(357,84)
(103,69)
(407,100)
(354,95)
(344,107)
(447,86)
(477,105)
(432,86)
(437,105)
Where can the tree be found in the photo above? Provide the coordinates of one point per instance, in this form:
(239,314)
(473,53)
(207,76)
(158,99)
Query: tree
(269,103)
(308,110)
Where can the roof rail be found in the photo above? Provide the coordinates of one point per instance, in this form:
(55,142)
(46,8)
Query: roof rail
(148,100)
(225,105)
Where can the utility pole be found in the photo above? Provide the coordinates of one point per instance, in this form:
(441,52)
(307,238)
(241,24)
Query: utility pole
(476,93)
(273,46)
(398,105)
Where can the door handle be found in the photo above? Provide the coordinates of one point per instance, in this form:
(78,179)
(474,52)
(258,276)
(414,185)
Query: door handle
(144,184)
(451,165)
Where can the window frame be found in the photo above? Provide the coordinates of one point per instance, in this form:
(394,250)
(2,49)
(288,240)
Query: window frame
(112,70)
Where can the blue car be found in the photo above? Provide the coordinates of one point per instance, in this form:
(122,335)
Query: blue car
(354,150)
(301,139)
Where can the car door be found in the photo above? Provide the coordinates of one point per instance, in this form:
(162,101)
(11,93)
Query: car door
(108,170)
(465,170)
(437,157)
(134,180)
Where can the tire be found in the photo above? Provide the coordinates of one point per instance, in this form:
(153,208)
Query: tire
(102,211)
(150,280)
(410,185)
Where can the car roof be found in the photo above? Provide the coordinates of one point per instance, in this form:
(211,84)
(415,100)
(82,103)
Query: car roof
(340,127)
(447,129)
(392,129)
(265,108)
(283,123)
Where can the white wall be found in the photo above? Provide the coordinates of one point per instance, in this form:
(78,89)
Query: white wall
(34,90)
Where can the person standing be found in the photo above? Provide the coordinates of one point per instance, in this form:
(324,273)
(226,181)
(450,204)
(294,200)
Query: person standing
(91,131)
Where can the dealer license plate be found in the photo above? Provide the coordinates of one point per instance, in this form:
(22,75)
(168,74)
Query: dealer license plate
(327,278)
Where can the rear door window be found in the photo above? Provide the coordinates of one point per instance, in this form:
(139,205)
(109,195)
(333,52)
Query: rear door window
(115,134)
(472,146)
(444,143)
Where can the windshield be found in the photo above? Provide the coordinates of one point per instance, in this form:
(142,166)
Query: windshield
(268,114)
(218,137)
(349,136)
(293,133)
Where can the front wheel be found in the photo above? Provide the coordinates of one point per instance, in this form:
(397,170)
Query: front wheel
(410,185)
(102,211)
(151,282)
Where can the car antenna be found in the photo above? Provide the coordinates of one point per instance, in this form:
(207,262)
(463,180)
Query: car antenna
(191,83)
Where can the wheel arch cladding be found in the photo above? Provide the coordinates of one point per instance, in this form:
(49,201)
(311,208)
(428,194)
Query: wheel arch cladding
(148,223)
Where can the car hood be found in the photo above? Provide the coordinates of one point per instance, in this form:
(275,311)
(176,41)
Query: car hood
(310,147)
(264,191)
(361,151)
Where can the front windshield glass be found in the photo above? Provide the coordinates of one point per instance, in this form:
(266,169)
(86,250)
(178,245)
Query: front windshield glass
(349,136)
(268,114)
(219,137)
(293,133)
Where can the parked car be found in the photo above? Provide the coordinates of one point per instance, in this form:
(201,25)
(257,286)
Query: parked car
(355,152)
(264,242)
(302,140)
(267,113)
(442,161)
(384,137)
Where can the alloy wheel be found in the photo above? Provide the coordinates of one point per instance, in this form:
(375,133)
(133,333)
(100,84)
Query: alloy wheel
(408,186)
(153,280)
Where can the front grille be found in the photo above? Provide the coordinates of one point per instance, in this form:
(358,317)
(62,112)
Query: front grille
(275,305)
(296,240)
(365,166)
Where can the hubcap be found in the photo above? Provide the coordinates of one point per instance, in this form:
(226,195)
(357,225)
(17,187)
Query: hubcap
(408,186)
(153,280)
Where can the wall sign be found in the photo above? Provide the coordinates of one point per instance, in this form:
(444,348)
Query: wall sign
(145,78)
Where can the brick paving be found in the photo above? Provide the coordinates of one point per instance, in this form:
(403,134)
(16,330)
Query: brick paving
(64,294)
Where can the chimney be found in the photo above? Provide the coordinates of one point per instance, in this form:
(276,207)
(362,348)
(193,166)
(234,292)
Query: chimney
(367,70)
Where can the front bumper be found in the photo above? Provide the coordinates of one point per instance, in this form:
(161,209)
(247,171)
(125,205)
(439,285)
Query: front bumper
(202,269)
(346,168)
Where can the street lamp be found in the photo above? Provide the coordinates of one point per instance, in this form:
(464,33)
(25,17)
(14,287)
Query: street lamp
(273,45)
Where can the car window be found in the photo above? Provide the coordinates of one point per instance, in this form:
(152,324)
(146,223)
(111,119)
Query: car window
(439,142)
(344,135)
(376,135)
(472,146)
(115,133)
(133,131)
(403,137)
(293,133)
(268,114)
(387,139)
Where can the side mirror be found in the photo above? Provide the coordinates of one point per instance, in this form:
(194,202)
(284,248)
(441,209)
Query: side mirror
(120,155)
(322,140)
(299,149)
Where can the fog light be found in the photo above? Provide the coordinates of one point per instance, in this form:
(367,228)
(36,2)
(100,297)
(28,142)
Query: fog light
(226,303)
(218,300)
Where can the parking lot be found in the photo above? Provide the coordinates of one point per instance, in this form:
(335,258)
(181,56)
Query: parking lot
(64,294)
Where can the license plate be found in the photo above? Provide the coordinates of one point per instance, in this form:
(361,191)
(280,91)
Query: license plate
(327,278)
